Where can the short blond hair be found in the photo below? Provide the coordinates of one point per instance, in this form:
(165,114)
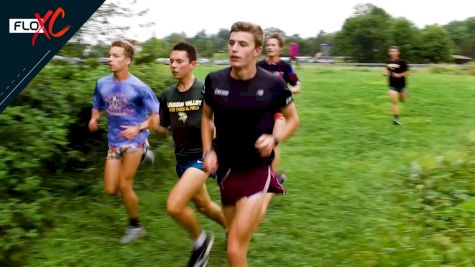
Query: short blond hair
(278,37)
(128,47)
(394,47)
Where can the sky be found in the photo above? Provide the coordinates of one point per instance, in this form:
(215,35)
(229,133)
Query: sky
(303,17)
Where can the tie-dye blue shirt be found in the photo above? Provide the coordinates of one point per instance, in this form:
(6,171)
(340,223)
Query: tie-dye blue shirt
(124,102)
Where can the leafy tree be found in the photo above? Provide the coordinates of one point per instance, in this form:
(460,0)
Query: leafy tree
(203,44)
(99,50)
(369,9)
(102,27)
(436,44)
(175,38)
(309,46)
(325,38)
(152,49)
(220,40)
(404,34)
(462,34)
(363,36)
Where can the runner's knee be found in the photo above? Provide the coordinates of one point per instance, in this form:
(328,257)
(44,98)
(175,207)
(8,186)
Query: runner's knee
(234,250)
(173,208)
(394,99)
(125,187)
(110,190)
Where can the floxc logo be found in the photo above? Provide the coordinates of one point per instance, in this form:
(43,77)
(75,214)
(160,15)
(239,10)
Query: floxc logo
(39,25)
(24,26)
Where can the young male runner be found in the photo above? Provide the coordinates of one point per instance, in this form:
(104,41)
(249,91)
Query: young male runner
(180,112)
(241,102)
(126,101)
(397,70)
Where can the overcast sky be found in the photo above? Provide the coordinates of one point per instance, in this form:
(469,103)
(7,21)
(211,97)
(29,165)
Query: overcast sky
(304,17)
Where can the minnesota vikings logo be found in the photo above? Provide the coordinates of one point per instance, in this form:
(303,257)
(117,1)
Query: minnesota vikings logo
(182,117)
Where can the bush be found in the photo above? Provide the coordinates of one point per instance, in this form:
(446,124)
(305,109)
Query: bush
(443,205)
(468,69)
(435,68)
(471,68)
(30,140)
(44,137)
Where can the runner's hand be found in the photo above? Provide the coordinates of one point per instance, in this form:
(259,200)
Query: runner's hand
(210,162)
(265,144)
(130,132)
(92,125)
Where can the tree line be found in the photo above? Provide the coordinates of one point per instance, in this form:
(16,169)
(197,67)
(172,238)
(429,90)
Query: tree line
(364,37)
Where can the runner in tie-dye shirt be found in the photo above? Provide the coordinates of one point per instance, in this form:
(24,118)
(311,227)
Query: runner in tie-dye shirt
(126,101)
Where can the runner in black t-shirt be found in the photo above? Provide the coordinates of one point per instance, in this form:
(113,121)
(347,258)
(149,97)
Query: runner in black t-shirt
(397,70)
(180,112)
(274,64)
(242,100)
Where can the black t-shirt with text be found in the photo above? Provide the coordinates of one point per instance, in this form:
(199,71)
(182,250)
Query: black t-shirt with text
(181,111)
(243,111)
(397,66)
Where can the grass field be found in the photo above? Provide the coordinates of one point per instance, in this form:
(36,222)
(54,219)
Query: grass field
(348,202)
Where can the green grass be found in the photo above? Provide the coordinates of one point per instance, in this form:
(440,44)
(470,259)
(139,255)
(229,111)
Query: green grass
(347,202)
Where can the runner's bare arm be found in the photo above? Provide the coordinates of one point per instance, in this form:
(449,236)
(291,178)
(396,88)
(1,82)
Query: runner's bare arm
(131,131)
(292,122)
(210,160)
(404,74)
(154,123)
(207,127)
(151,123)
(95,116)
(295,89)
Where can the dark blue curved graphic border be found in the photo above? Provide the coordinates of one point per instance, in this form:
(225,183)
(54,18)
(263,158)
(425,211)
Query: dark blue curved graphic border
(22,60)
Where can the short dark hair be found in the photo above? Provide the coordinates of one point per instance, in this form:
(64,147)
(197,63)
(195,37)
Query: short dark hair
(251,28)
(188,48)
(278,37)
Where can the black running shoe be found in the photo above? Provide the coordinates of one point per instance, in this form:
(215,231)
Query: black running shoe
(199,256)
